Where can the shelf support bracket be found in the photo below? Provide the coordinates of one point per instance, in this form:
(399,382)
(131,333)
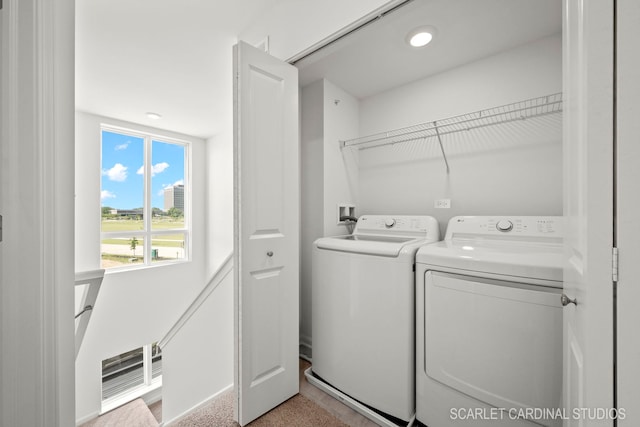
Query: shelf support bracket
(444,156)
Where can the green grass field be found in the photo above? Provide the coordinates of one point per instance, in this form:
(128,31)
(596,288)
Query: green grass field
(138,224)
(169,240)
(157,241)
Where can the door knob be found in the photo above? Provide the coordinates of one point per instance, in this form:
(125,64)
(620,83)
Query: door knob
(270,254)
(565,300)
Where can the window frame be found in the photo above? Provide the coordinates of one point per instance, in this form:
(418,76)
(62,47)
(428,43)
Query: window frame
(149,383)
(148,233)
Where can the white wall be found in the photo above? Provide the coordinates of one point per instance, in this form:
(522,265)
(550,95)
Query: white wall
(134,307)
(512,169)
(87,192)
(219,176)
(312,197)
(341,121)
(329,176)
(198,361)
(295,25)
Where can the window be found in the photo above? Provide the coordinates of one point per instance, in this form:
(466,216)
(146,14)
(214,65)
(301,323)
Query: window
(129,375)
(144,199)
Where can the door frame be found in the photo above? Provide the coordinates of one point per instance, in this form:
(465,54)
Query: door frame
(36,294)
(588,170)
(627,209)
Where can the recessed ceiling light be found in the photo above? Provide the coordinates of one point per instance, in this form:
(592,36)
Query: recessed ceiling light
(154,116)
(420,37)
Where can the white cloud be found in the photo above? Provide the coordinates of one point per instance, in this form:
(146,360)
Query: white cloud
(117,173)
(159,167)
(106,194)
(122,146)
(155,169)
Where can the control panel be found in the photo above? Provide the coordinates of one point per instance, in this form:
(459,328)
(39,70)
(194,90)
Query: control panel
(527,226)
(395,224)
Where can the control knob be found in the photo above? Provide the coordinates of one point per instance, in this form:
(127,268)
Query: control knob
(504,225)
(390,223)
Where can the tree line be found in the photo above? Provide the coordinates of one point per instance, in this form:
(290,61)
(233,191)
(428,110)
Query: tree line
(172,212)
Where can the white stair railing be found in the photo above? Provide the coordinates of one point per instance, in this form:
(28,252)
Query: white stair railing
(91,280)
(221,273)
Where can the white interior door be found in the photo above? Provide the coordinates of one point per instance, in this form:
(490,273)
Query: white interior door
(267,221)
(588,208)
(628,210)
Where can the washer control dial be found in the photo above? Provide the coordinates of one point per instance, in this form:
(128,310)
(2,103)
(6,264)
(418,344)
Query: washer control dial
(390,222)
(504,225)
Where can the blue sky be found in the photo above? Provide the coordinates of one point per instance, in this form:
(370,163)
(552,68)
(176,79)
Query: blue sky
(123,173)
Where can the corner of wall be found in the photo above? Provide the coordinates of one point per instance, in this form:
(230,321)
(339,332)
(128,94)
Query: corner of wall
(312,189)
(341,121)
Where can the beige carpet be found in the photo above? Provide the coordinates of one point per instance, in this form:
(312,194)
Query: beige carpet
(297,411)
(133,414)
(310,408)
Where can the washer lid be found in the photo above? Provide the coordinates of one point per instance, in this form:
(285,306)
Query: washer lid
(521,259)
(367,244)
(385,235)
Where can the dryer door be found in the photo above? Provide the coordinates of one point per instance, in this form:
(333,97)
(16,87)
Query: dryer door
(497,341)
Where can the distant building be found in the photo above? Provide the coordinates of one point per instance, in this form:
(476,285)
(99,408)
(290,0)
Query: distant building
(174,197)
(128,212)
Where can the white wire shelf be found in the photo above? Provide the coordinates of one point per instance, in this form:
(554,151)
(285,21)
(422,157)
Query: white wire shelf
(543,105)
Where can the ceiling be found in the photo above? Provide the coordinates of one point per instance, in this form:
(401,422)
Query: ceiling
(134,57)
(377,58)
(172,58)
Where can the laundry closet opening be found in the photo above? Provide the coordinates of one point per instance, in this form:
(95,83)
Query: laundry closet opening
(472,120)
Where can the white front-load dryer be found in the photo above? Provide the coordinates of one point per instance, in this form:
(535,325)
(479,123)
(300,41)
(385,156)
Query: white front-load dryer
(363,311)
(489,324)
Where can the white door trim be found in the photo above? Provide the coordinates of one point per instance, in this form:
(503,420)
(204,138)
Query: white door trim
(36,336)
(628,207)
(588,152)
(359,24)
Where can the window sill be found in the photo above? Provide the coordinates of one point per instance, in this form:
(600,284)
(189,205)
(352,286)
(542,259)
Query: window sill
(128,396)
(139,267)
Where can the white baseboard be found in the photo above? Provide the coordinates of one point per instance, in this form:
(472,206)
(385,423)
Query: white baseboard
(196,407)
(305,349)
(305,340)
(153,396)
(87,418)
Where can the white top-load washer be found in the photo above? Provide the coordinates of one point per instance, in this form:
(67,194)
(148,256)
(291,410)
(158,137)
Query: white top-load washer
(363,321)
(489,323)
